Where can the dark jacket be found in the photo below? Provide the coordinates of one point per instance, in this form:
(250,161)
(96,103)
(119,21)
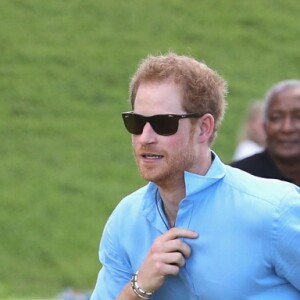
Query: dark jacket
(261,165)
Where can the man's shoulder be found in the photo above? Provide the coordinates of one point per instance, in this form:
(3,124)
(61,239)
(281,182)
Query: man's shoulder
(135,196)
(269,190)
(248,161)
(128,208)
(260,164)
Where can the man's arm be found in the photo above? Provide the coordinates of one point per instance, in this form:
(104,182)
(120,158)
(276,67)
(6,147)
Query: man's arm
(166,256)
(287,247)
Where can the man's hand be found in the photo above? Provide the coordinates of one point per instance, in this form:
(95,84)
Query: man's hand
(166,256)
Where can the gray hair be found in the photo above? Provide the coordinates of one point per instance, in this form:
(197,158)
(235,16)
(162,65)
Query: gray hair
(275,90)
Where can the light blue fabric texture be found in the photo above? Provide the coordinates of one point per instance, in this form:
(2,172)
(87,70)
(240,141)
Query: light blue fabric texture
(248,245)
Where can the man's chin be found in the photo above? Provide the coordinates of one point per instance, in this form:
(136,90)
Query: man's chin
(153,177)
(149,176)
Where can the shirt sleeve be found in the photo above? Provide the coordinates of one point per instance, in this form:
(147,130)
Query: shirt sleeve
(116,270)
(287,240)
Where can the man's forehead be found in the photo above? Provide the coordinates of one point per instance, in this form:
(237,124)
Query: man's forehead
(288,105)
(291,93)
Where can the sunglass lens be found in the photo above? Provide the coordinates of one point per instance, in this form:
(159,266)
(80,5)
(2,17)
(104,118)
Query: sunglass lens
(133,123)
(164,125)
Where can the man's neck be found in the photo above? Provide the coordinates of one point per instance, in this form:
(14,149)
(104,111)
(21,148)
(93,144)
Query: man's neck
(171,200)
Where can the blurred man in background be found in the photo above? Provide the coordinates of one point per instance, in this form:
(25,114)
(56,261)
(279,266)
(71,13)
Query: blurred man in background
(281,159)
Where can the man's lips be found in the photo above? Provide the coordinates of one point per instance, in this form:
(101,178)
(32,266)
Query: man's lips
(151,156)
(288,143)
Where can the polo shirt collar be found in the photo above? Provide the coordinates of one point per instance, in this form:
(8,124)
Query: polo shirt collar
(194,183)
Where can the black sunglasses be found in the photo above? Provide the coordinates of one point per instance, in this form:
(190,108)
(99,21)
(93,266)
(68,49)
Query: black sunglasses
(161,124)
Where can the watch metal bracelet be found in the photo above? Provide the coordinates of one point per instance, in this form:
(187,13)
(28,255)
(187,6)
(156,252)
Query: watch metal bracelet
(137,290)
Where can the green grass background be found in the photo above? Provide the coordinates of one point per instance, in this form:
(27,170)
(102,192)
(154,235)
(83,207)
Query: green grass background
(65,159)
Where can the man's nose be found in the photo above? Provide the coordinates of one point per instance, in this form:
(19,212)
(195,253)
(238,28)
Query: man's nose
(148,135)
(287,124)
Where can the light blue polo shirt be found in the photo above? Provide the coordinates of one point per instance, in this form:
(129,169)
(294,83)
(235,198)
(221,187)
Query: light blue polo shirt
(248,245)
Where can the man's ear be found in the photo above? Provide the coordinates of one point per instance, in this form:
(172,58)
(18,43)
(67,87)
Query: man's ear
(207,125)
(265,126)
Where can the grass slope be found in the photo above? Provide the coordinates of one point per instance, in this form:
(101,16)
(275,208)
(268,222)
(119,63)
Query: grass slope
(65,159)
